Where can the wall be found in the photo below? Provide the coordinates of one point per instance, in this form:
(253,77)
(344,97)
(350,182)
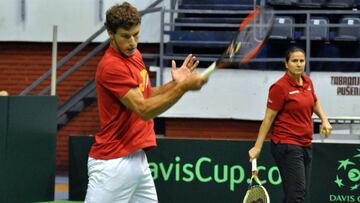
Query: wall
(242,94)
(27,149)
(219,171)
(41,15)
(21,63)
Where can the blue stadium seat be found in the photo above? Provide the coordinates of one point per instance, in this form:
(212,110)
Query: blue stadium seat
(282,2)
(217,4)
(283,28)
(311,3)
(340,3)
(319,29)
(200,38)
(220,21)
(351,31)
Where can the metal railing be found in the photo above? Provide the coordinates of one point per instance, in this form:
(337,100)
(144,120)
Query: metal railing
(62,62)
(345,130)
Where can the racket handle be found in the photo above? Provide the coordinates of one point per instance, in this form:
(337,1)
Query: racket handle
(209,70)
(254,165)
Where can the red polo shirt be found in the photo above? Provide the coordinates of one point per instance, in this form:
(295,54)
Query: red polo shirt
(294,103)
(122,132)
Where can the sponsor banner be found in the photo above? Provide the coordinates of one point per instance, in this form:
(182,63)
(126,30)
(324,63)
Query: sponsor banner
(219,171)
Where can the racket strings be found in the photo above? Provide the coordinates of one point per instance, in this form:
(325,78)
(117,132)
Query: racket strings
(248,41)
(252,37)
(256,194)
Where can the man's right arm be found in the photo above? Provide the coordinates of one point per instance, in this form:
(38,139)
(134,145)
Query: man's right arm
(162,89)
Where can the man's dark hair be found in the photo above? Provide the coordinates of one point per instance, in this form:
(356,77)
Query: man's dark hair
(122,16)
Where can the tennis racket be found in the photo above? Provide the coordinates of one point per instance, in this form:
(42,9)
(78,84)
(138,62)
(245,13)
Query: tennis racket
(256,193)
(253,32)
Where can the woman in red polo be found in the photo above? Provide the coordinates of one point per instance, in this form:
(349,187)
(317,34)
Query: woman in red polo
(288,118)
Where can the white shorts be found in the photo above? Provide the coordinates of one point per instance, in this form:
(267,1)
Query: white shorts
(125,179)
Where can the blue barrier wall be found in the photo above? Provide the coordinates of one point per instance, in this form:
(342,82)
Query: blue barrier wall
(27,148)
(219,170)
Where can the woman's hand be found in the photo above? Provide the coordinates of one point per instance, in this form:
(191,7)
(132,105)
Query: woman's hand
(254,153)
(325,128)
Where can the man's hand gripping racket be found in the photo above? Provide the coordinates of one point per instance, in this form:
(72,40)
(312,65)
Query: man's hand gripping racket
(256,193)
(253,32)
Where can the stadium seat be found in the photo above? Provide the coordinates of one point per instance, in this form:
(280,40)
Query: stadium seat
(311,3)
(216,4)
(282,2)
(283,28)
(318,29)
(351,31)
(340,3)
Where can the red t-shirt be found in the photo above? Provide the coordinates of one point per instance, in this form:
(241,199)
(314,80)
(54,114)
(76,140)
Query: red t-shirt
(294,103)
(122,132)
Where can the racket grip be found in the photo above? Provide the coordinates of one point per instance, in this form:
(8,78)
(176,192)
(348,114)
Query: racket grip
(254,165)
(209,70)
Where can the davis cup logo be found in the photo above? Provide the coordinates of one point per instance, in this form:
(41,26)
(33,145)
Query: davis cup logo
(347,179)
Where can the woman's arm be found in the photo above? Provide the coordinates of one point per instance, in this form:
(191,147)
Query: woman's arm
(266,124)
(325,125)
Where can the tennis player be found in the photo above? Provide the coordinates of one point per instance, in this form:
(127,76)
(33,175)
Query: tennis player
(117,166)
(291,103)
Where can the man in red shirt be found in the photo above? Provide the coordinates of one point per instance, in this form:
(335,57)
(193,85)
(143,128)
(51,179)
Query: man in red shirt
(288,117)
(117,166)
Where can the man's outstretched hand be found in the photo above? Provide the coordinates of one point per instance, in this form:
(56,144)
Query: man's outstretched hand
(189,64)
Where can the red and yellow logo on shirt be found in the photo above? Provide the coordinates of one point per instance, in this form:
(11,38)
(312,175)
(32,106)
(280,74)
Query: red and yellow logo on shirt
(145,80)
